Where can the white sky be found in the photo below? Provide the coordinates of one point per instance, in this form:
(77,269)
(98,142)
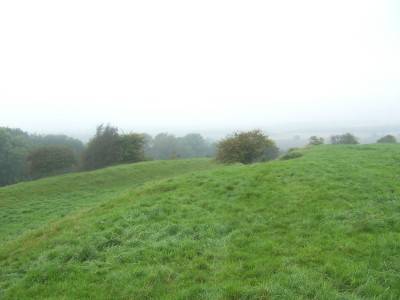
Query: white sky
(67,66)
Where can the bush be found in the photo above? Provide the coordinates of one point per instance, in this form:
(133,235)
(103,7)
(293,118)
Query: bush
(387,139)
(50,161)
(246,147)
(291,155)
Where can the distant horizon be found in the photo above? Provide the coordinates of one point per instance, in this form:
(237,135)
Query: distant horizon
(282,130)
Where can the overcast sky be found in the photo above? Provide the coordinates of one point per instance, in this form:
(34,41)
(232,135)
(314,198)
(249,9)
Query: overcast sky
(67,66)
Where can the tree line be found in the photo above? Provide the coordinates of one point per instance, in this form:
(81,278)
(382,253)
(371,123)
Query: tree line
(26,156)
(20,151)
(110,147)
(348,139)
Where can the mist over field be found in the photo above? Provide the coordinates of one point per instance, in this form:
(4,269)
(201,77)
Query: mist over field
(207,149)
(211,67)
(172,79)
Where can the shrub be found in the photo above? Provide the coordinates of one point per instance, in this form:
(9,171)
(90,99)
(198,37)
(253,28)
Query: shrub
(387,139)
(246,147)
(292,155)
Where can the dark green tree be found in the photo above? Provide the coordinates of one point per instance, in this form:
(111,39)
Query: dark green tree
(50,161)
(131,148)
(14,147)
(387,139)
(244,147)
(314,140)
(108,148)
(346,139)
(103,149)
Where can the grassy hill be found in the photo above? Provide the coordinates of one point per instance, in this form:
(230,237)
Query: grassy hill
(325,225)
(31,205)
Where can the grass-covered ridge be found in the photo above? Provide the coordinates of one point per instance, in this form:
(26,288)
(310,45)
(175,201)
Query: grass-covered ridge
(325,225)
(30,205)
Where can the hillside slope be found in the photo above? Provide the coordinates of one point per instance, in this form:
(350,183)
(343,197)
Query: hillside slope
(30,205)
(324,226)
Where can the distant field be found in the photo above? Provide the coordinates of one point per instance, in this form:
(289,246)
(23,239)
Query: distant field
(325,226)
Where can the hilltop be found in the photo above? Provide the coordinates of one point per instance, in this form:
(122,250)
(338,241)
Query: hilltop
(325,225)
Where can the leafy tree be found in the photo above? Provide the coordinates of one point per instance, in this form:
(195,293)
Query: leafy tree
(346,138)
(243,147)
(103,149)
(387,139)
(314,140)
(108,148)
(165,146)
(192,145)
(131,148)
(50,161)
(58,140)
(14,147)
(168,146)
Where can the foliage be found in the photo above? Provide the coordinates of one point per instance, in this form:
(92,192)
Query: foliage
(322,227)
(314,140)
(147,146)
(103,149)
(270,153)
(131,148)
(108,148)
(192,145)
(347,138)
(387,139)
(58,140)
(245,147)
(165,146)
(292,155)
(14,146)
(50,161)
(168,146)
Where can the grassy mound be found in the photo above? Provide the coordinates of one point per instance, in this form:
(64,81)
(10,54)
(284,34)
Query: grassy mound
(325,225)
(31,205)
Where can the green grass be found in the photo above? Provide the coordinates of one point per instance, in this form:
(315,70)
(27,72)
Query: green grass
(31,205)
(325,225)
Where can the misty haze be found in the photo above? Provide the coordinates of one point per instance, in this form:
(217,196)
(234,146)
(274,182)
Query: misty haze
(199,150)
